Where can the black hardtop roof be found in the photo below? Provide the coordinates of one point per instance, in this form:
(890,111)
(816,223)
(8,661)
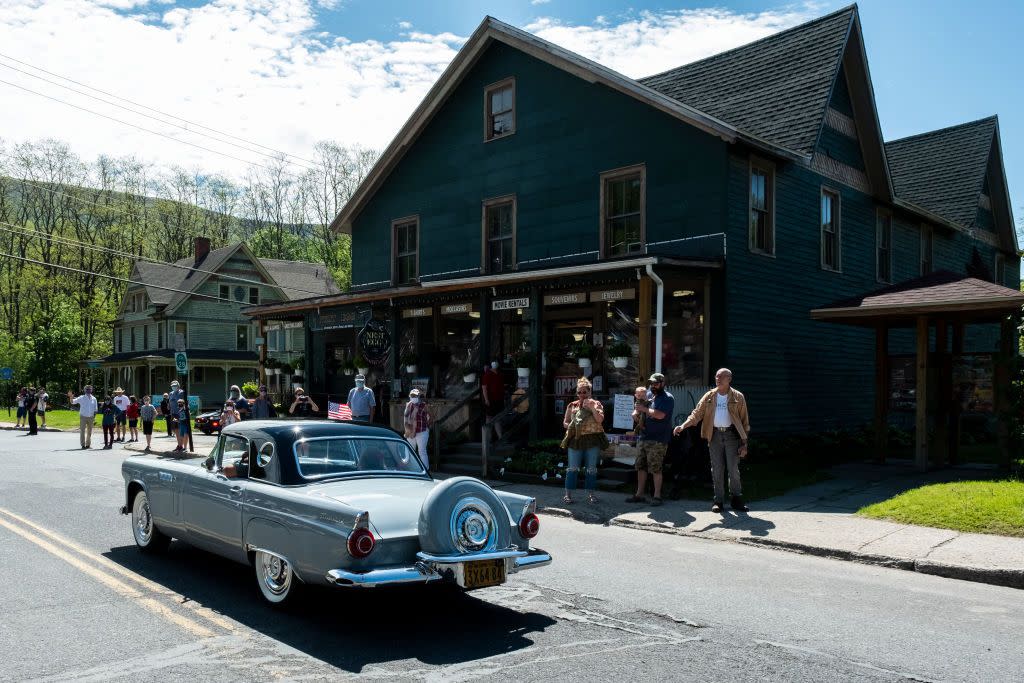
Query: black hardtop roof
(305,429)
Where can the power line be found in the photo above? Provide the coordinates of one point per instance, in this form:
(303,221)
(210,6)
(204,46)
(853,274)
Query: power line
(143,106)
(156,118)
(126,254)
(146,130)
(110,277)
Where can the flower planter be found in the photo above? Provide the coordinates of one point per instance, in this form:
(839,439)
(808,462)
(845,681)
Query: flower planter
(273,371)
(620,362)
(349,371)
(411,369)
(584,362)
(523,372)
(469,377)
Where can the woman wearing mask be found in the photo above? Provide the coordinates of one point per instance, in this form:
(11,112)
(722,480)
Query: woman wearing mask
(417,425)
(262,407)
(584,438)
(229,415)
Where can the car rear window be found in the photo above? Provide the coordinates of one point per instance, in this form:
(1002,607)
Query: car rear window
(334,456)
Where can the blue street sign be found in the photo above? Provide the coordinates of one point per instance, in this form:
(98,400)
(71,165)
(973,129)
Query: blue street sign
(6,373)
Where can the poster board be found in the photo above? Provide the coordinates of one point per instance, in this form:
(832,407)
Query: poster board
(622,415)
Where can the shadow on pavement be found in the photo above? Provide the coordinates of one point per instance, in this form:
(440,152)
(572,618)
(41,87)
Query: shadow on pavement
(348,629)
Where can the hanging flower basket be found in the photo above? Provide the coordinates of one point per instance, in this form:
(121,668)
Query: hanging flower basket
(469,377)
(411,369)
(620,362)
(349,371)
(523,372)
(363,371)
(584,362)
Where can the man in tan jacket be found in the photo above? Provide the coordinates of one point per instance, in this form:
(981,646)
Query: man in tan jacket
(725,425)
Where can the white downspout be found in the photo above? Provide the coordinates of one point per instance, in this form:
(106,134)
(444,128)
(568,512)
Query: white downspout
(659,317)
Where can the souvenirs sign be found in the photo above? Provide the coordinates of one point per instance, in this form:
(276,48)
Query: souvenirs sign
(565,298)
(375,341)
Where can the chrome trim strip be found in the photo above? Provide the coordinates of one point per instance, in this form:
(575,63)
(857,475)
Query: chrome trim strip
(418,573)
(472,557)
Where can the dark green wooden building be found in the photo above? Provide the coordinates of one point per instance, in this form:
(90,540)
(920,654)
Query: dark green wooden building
(538,201)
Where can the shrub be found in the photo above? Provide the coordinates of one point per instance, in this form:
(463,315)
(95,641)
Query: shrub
(250,390)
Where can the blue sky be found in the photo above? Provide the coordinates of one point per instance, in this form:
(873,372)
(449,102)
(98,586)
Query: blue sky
(289,72)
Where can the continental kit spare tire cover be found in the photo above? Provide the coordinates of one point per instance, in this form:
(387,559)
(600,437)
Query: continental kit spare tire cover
(463,515)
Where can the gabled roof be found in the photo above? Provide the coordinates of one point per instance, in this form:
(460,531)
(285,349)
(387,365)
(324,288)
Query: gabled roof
(295,279)
(776,88)
(943,170)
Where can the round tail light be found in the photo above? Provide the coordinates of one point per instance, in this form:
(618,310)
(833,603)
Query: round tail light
(529,525)
(361,543)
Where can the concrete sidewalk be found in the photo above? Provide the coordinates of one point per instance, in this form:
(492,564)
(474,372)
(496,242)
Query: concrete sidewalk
(817,520)
(820,520)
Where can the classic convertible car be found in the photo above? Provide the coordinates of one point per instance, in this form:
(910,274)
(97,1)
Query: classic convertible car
(329,503)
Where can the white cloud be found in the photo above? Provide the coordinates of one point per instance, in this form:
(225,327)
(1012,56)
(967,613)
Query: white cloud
(539,2)
(266,71)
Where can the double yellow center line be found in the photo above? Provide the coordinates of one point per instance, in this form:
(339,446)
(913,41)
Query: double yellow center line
(119,579)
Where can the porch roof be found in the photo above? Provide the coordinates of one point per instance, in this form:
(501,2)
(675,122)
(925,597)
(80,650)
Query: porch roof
(940,294)
(168,354)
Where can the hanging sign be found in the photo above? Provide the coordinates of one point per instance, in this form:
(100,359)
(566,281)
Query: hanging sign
(455,309)
(507,304)
(566,298)
(613,294)
(417,312)
(375,341)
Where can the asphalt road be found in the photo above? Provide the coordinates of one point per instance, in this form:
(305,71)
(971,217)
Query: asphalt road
(79,603)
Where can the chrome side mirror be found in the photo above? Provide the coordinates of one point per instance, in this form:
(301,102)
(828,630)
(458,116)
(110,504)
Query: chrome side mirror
(209,463)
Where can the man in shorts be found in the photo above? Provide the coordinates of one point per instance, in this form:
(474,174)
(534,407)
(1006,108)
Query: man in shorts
(121,403)
(652,441)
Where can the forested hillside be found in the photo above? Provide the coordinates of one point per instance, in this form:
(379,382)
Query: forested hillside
(66,222)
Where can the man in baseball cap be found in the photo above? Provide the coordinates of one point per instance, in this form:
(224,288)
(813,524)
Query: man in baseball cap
(653,439)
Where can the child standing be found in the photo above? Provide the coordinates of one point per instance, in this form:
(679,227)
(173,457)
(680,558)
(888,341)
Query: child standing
(148,414)
(640,398)
(41,398)
(22,408)
(109,412)
(132,413)
(182,428)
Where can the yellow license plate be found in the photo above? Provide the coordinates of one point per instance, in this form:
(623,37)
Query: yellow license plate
(483,573)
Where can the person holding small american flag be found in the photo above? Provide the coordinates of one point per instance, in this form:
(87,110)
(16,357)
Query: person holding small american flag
(417,424)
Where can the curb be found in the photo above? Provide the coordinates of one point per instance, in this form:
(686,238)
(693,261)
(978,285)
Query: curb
(41,429)
(1009,578)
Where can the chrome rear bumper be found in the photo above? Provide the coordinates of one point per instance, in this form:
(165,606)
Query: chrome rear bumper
(436,567)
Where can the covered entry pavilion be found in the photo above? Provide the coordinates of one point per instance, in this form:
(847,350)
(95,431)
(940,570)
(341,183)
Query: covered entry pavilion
(938,307)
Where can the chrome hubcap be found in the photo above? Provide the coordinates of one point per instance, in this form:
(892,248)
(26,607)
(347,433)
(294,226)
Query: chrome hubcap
(143,519)
(472,526)
(276,574)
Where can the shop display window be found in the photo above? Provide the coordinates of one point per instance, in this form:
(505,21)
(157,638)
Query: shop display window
(682,358)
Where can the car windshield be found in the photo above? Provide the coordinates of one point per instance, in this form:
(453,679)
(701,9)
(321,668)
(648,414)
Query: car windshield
(333,456)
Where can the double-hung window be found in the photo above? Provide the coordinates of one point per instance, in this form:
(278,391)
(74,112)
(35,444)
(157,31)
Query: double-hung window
(180,327)
(762,228)
(622,211)
(225,292)
(405,234)
(831,231)
(133,337)
(254,295)
(883,246)
(927,249)
(499,234)
(272,342)
(500,109)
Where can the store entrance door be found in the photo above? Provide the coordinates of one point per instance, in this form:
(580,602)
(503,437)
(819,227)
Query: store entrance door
(566,334)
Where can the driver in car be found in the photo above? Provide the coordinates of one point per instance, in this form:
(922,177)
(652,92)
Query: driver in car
(237,469)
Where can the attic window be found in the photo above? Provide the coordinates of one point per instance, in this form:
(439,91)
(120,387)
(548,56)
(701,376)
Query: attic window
(225,292)
(254,295)
(500,109)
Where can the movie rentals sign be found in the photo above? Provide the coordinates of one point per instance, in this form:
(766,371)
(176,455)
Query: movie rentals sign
(510,304)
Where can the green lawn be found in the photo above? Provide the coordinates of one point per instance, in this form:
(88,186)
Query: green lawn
(59,419)
(985,507)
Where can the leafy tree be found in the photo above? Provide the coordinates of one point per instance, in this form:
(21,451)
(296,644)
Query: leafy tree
(57,349)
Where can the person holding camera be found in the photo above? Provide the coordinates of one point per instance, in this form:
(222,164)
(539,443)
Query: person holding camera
(303,405)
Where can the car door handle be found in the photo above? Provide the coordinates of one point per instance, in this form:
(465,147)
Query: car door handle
(235,489)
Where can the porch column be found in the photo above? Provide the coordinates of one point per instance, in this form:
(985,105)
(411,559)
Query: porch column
(644,331)
(262,370)
(954,417)
(227,379)
(149,377)
(881,392)
(943,393)
(1001,387)
(921,397)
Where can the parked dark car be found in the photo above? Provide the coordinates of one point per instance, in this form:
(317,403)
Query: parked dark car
(208,423)
(318,503)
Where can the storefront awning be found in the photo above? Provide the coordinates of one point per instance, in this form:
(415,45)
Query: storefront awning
(939,294)
(436,286)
